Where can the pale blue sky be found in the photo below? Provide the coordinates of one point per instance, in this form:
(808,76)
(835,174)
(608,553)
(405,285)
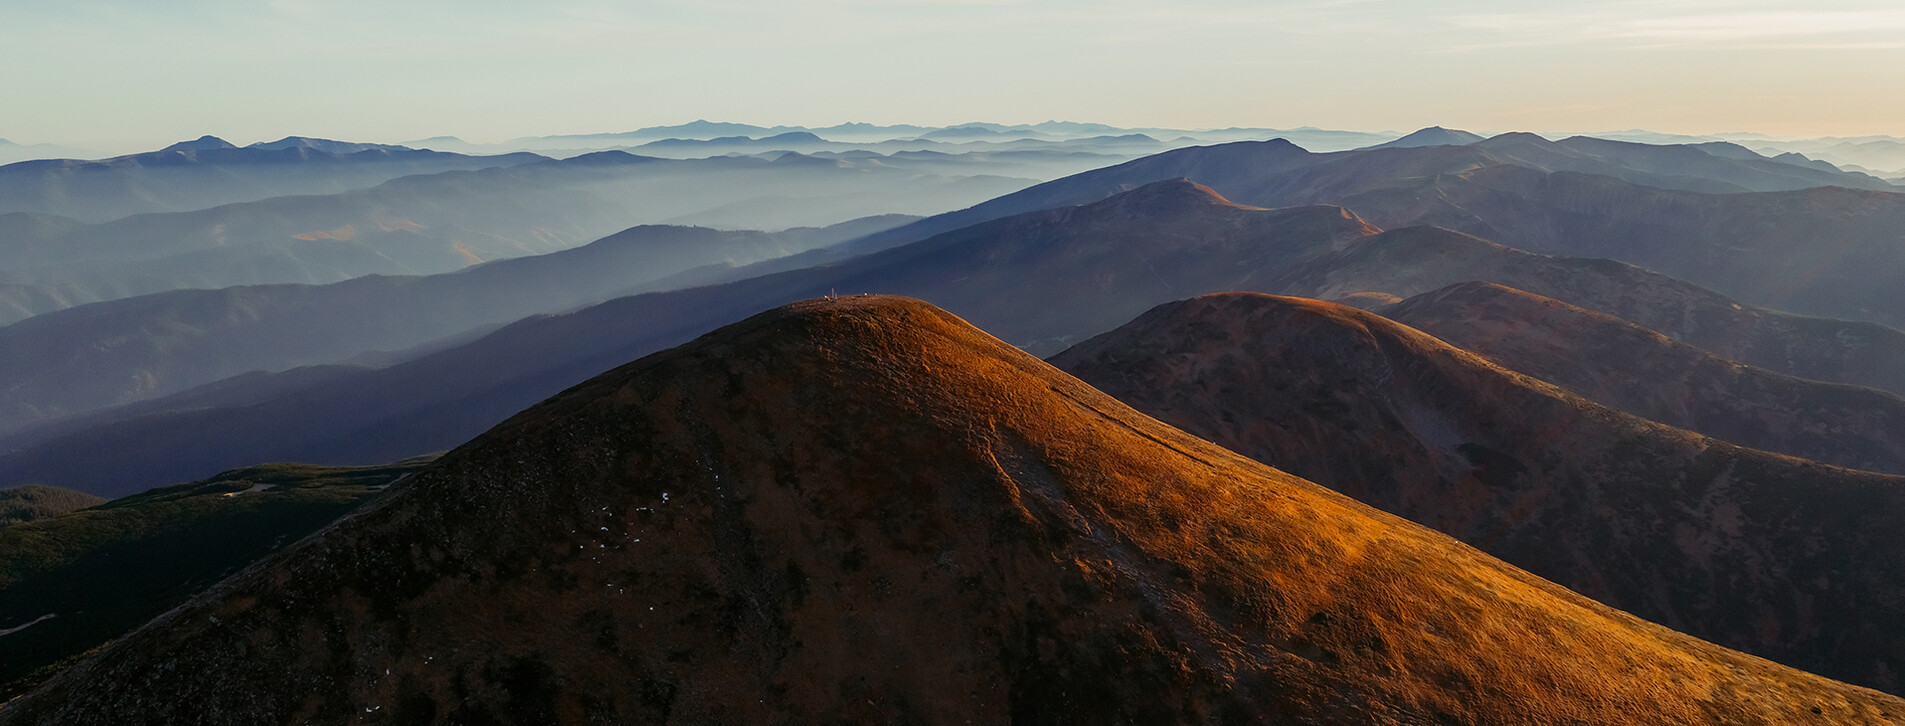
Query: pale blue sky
(128,74)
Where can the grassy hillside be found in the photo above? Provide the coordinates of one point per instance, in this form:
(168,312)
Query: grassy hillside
(70,583)
(30,502)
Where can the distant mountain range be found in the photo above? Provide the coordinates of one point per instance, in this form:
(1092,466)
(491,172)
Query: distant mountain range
(80,359)
(433,223)
(1000,274)
(1817,242)
(210,172)
(706,135)
(1640,371)
(866,509)
(1882,156)
(1041,280)
(11,152)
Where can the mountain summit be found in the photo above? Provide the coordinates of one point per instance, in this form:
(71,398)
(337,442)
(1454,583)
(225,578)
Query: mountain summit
(865,510)
(201,143)
(1432,136)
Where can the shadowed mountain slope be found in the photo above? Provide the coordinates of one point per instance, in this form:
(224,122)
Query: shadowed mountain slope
(92,356)
(28,503)
(1417,260)
(71,583)
(1824,251)
(867,510)
(1782,557)
(1628,367)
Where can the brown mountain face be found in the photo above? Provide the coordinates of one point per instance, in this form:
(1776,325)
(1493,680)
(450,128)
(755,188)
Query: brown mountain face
(1781,557)
(1415,260)
(865,510)
(1640,371)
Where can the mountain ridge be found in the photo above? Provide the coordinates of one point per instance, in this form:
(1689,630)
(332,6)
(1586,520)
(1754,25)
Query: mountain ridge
(1640,371)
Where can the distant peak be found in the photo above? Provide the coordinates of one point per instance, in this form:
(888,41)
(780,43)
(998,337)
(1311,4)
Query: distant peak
(794,136)
(1432,136)
(201,143)
(1516,137)
(1167,195)
(325,145)
(601,158)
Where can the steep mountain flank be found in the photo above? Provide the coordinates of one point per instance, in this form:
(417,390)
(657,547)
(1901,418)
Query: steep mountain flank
(865,510)
(1785,558)
(1645,373)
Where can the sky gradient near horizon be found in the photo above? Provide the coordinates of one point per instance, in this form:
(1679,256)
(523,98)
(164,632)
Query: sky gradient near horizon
(119,75)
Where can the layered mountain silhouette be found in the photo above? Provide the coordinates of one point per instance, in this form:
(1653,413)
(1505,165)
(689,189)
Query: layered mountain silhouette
(211,172)
(1640,371)
(864,509)
(102,354)
(967,137)
(1277,172)
(1418,260)
(1781,557)
(435,223)
(1042,281)
(1816,242)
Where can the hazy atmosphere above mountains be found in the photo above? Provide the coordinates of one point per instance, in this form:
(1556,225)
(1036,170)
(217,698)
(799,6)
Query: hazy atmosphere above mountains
(117,76)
